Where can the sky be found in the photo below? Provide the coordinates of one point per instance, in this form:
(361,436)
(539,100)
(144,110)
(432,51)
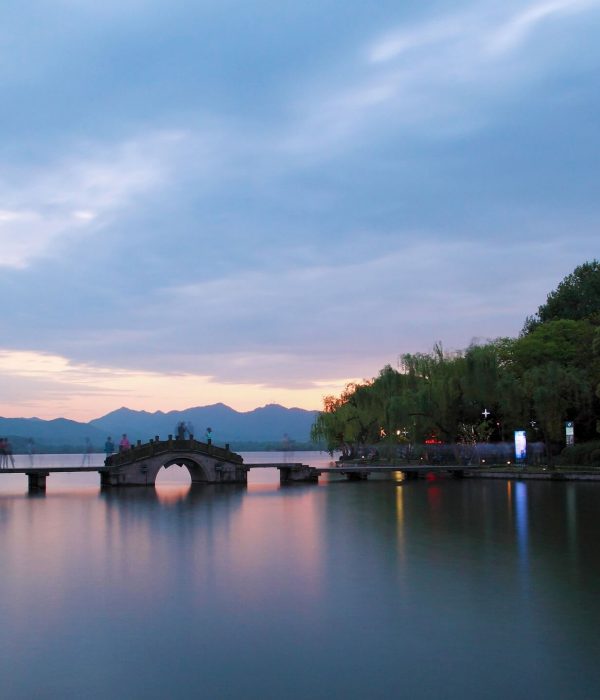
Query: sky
(258,202)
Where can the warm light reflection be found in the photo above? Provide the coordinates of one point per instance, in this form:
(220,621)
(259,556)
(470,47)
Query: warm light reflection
(49,530)
(258,487)
(172,493)
(434,496)
(294,521)
(400,519)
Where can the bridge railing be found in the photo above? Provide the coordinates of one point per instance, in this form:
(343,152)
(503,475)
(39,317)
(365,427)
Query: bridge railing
(158,447)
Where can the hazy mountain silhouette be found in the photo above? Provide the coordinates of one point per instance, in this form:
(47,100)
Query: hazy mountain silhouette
(265,424)
(59,431)
(268,423)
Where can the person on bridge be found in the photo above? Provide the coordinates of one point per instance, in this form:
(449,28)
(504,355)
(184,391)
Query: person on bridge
(124,443)
(3,457)
(30,450)
(8,453)
(208,436)
(181,430)
(109,446)
(87,453)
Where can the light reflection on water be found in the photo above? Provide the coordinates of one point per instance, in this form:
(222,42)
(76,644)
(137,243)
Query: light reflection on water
(354,590)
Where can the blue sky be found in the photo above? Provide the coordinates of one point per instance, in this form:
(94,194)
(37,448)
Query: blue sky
(255,202)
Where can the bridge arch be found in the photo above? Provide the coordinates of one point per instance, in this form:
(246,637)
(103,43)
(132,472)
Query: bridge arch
(206,463)
(199,472)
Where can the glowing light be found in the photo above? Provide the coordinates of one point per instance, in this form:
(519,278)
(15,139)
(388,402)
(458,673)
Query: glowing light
(52,385)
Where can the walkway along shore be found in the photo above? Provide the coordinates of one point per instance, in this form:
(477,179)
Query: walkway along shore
(302,473)
(209,464)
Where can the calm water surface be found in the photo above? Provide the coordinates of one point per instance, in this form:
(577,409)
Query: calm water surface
(379,589)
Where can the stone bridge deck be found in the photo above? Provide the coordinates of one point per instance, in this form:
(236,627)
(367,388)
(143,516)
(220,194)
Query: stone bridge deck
(206,463)
(210,464)
(157,447)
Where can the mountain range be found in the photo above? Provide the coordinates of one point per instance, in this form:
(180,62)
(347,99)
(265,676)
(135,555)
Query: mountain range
(267,424)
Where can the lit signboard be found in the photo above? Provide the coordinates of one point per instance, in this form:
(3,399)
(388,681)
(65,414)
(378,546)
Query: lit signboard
(569,432)
(520,445)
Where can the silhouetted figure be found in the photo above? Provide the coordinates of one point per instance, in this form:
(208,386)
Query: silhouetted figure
(8,453)
(287,446)
(208,436)
(190,430)
(124,443)
(87,453)
(3,457)
(109,446)
(181,430)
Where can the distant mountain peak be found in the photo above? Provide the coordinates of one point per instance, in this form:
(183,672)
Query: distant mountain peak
(267,423)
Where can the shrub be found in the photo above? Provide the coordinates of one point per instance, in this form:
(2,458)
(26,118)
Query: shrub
(586,454)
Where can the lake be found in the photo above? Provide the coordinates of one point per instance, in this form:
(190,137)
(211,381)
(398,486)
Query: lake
(378,589)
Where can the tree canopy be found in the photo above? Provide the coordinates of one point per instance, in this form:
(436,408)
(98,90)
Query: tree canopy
(548,375)
(576,298)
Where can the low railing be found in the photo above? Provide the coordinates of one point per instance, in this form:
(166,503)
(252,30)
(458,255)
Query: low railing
(158,447)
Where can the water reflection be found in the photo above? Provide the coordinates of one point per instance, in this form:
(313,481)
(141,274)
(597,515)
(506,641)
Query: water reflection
(571,520)
(264,591)
(172,494)
(521,519)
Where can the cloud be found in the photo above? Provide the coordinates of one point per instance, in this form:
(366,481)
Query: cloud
(518,28)
(76,195)
(51,384)
(429,34)
(437,78)
(258,212)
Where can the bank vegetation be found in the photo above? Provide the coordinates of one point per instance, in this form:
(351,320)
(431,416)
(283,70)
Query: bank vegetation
(476,398)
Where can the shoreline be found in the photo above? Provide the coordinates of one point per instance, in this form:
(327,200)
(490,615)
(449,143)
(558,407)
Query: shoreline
(559,473)
(540,474)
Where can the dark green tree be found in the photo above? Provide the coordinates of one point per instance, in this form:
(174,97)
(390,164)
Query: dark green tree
(557,394)
(576,298)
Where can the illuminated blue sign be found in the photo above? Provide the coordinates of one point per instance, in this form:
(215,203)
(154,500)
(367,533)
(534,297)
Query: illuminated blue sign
(520,445)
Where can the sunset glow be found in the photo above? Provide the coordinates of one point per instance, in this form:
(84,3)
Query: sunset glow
(51,386)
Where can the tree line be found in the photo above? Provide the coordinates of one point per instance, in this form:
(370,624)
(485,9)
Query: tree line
(536,382)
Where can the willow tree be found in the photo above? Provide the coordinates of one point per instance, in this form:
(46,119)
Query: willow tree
(557,394)
(434,379)
(349,420)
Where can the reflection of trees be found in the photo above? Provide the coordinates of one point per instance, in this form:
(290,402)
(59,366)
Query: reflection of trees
(482,544)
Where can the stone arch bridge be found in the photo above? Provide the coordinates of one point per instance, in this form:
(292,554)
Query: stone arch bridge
(206,463)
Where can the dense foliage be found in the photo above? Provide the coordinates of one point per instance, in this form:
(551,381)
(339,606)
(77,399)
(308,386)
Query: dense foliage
(549,375)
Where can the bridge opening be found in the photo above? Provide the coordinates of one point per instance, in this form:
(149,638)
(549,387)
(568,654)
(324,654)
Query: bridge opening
(173,475)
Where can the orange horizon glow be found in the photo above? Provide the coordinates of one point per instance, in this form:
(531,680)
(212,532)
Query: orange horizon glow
(49,386)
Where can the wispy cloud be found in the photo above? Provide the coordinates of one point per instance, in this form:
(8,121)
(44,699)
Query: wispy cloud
(429,34)
(517,28)
(333,193)
(76,195)
(431,77)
